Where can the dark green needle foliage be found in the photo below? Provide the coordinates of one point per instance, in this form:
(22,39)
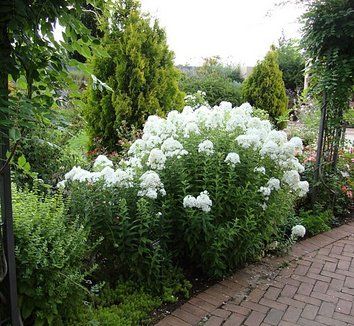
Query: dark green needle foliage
(265,89)
(140,74)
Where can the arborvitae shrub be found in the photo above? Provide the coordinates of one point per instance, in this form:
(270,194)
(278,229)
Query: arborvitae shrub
(141,73)
(264,88)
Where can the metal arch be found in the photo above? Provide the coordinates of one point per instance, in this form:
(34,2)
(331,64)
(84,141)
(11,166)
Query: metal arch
(9,282)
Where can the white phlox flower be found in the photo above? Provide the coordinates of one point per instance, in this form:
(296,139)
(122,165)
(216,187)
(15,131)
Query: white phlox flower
(124,178)
(247,141)
(225,105)
(232,159)
(151,185)
(206,147)
(101,162)
(78,174)
(202,202)
(260,169)
(172,147)
(272,184)
(292,179)
(157,159)
(298,231)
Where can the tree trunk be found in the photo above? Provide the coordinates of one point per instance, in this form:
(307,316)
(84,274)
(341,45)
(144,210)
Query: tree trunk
(5,182)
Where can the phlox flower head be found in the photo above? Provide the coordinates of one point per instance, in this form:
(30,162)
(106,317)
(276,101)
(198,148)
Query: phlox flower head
(298,231)
(157,159)
(202,202)
(172,147)
(101,162)
(260,169)
(206,147)
(232,159)
(250,140)
(151,185)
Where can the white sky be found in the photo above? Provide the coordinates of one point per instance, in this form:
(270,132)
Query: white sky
(239,31)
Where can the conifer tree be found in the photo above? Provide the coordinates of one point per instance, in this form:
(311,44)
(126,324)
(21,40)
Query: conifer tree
(140,73)
(264,88)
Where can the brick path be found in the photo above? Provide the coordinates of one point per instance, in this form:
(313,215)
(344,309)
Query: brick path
(313,285)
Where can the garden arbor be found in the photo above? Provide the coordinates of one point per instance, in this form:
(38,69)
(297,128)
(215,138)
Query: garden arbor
(26,26)
(329,42)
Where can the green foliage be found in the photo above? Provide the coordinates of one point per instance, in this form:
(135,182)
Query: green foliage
(38,76)
(328,40)
(49,254)
(316,222)
(292,64)
(336,186)
(219,82)
(122,306)
(131,238)
(264,88)
(140,71)
(50,149)
(307,125)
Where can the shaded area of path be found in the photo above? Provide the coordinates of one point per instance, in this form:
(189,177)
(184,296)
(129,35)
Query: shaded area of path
(313,285)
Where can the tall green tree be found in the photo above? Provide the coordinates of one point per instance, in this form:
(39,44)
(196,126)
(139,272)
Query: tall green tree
(140,74)
(292,64)
(264,88)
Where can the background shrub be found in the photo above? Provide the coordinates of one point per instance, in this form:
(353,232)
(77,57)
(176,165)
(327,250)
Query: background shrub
(51,148)
(264,88)
(292,64)
(219,82)
(49,254)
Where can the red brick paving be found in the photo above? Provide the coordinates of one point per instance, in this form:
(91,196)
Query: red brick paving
(315,288)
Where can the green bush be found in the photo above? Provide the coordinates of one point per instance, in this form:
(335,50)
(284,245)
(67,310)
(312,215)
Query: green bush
(205,190)
(50,149)
(50,251)
(264,88)
(219,82)
(292,64)
(140,75)
(316,222)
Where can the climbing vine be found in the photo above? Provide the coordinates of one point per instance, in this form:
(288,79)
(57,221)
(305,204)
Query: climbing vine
(328,39)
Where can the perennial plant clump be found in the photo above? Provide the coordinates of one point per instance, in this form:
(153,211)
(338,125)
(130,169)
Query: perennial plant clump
(215,186)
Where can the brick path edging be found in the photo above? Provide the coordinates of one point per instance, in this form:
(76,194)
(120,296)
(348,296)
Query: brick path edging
(221,303)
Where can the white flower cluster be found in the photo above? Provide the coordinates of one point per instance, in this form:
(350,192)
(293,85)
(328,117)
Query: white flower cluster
(157,159)
(202,202)
(232,159)
(206,147)
(151,185)
(292,179)
(120,178)
(272,184)
(101,162)
(172,147)
(298,231)
(260,169)
(195,131)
